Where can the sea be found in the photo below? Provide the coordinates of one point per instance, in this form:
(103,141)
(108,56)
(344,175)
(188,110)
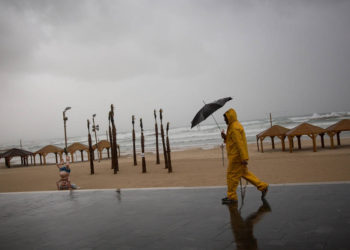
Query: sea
(181,138)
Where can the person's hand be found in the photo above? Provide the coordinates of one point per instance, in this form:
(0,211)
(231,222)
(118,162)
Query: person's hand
(223,135)
(244,162)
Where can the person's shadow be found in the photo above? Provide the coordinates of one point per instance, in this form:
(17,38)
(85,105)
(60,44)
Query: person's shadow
(243,229)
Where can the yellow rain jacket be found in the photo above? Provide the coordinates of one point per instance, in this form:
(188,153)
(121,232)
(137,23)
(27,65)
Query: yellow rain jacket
(237,151)
(236,142)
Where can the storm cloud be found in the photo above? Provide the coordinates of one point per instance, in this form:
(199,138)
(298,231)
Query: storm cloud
(284,57)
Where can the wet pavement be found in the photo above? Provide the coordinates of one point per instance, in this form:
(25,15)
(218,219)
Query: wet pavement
(294,217)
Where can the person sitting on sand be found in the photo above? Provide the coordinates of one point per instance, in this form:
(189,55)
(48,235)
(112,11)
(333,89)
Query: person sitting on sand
(237,154)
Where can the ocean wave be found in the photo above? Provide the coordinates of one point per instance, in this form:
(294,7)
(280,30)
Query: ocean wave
(185,137)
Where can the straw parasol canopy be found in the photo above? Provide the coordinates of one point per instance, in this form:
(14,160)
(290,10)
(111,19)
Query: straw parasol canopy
(47,150)
(275,130)
(342,125)
(305,129)
(101,145)
(77,147)
(15,152)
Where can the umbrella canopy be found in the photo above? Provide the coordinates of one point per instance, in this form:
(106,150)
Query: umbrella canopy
(15,152)
(342,125)
(305,129)
(337,128)
(208,109)
(275,130)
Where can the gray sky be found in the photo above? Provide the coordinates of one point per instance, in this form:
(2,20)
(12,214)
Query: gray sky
(284,57)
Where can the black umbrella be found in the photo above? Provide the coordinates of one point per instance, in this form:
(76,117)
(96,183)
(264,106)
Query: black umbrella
(209,109)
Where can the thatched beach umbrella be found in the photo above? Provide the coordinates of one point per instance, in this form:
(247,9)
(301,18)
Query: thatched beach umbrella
(101,145)
(335,129)
(305,129)
(47,150)
(275,130)
(77,147)
(15,152)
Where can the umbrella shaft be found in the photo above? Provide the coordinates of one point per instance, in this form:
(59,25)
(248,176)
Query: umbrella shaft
(214,119)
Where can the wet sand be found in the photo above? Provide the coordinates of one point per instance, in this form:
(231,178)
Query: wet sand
(194,167)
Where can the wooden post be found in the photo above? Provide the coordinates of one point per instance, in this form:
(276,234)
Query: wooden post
(299,142)
(72,156)
(257,143)
(314,142)
(114,135)
(92,170)
(133,140)
(108,153)
(111,139)
(41,161)
(273,142)
(290,139)
(338,138)
(34,159)
(170,168)
(163,141)
(331,134)
(144,170)
(7,162)
(44,156)
(56,158)
(82,155)
(261,144)
(322,139)
(283,144)
(156,132)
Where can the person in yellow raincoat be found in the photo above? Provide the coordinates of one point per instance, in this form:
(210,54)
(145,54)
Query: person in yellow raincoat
(237,154)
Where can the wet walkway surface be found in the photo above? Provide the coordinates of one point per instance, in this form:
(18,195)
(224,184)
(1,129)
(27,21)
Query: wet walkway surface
(294,217)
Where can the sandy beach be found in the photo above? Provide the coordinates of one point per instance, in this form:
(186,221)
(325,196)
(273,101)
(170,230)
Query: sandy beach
(194,167)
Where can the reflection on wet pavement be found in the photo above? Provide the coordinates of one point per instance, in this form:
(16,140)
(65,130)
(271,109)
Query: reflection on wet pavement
(243,230)
(303,217)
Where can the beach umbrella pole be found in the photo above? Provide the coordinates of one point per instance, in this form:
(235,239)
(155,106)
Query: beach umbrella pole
(92,170)
(133,140)
(163,140)
(156,132)
(170,168)
(143,149)
(114,135)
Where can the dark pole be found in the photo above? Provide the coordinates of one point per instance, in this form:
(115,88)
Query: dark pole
(170,168)
(133,140)
(94,129)
(92,171)
(65,128)
(114,135)
(163,141)
(143,149)
(110,139)
(156,131)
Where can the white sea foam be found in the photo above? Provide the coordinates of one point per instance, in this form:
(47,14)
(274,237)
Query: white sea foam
(203,136)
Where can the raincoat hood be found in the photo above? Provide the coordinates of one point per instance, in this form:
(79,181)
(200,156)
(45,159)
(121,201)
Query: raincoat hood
(231,116)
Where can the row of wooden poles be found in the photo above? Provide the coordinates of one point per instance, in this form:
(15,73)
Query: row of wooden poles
(113,143)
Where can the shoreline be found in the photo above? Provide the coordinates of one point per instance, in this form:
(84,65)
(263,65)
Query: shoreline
(192,168)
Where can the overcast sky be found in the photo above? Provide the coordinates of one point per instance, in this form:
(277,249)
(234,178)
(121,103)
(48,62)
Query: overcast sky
(285,57)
